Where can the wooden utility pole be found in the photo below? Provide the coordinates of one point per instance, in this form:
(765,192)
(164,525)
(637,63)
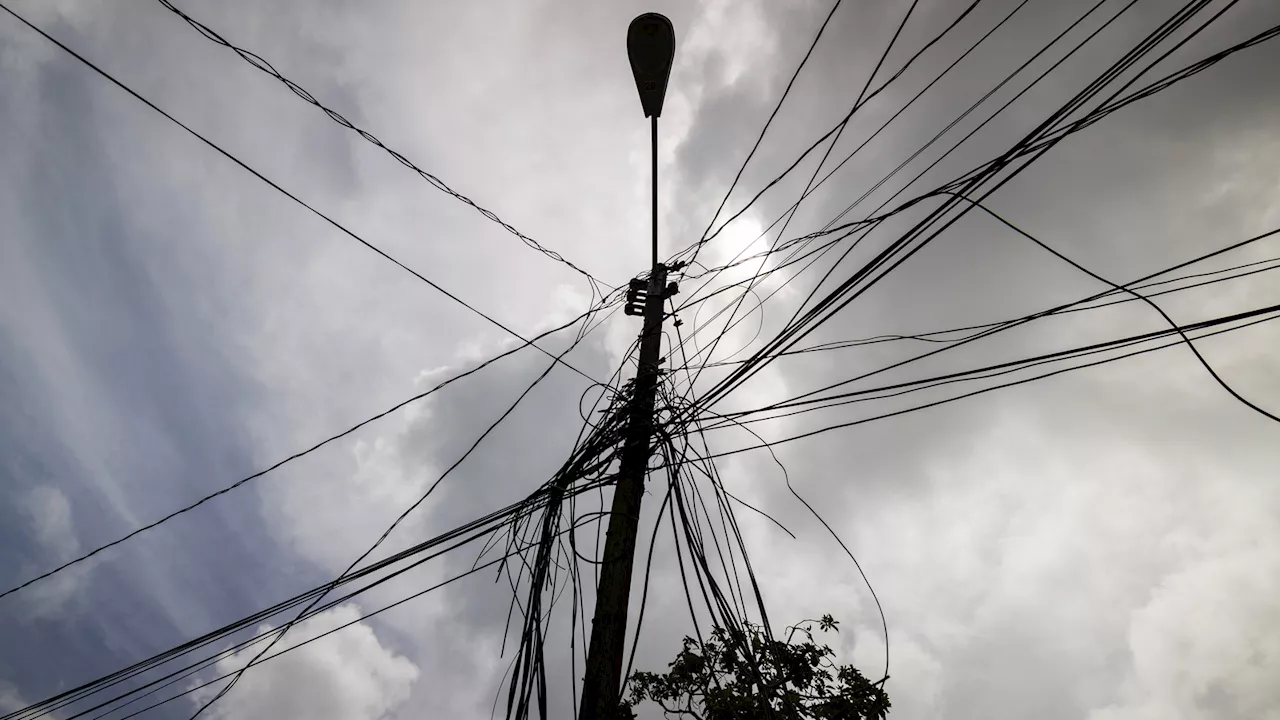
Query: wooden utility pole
(650,47)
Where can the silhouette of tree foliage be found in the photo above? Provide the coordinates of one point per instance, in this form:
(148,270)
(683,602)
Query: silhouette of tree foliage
(751,676)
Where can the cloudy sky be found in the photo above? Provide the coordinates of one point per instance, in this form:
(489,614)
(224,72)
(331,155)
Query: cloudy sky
(1103,544)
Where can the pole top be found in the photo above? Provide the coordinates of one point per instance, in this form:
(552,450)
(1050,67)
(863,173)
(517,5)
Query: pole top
(651,47)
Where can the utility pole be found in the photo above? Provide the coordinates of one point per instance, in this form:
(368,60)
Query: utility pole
(650,47)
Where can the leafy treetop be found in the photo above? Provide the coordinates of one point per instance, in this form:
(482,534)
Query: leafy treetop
(751,676)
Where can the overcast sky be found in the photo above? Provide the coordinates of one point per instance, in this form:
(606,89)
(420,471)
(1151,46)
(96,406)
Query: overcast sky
(1104,544)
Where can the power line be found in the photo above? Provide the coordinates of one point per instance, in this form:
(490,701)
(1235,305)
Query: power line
(996,165)
(1099,113)
(284,461)
(1009,325)
(457,463)
(977,103)
(332,222)
(763,256)
(261,63)
(1003,368)
(1190,345)
(937,78)
(194,669)
(862,97)
(869,224)
(476,529)
(280,189)
(1084,122)
(884,623)
(1116,104)
(813,45)
(849,290)
(1160,33)
(780,244)
(932,335)
(1273,309)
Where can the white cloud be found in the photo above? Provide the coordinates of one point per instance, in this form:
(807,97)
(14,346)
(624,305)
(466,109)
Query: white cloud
(1206,644)
(10,700)
(349,675)
(330,509)
(1082,569)
(51,523)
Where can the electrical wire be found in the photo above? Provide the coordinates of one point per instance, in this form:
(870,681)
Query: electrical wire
(989,371)
(332,222)
(931,336)
(794,76)
(280,189)
(981,391)
(285,461)
(475,529)
(262,64)
(1009,325)
(1190,345)
(904,247)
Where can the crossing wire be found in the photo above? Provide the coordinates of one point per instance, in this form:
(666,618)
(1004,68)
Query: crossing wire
(1255,317)
(999,369)
(910,243)
(932,336)
(331,221)
(469,532)
(261,63)
(390,528)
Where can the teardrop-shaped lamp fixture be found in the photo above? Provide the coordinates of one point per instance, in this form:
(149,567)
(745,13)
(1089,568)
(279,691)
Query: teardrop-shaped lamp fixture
(651,47)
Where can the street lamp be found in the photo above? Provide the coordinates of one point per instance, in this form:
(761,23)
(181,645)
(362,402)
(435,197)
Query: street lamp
(651,46)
